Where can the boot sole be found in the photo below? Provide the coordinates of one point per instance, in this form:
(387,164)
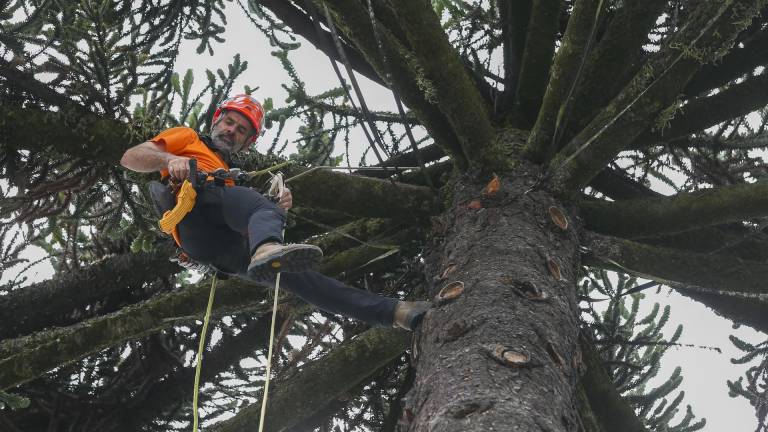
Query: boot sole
(289,260)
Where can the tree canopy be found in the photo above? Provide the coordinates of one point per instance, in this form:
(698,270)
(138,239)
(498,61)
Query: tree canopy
(555,152)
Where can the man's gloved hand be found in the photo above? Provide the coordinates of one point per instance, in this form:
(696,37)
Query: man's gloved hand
(286,200)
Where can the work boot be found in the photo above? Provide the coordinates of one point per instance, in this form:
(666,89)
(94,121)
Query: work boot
(408,315)
(271,258)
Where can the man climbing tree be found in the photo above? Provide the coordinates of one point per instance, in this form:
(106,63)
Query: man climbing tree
(214,232)
(554,139)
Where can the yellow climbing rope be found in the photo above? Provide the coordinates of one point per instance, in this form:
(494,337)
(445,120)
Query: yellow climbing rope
(269,353)
(185,200)
(200,350)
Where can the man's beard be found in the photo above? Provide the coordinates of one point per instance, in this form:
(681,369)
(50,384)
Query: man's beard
(222,145)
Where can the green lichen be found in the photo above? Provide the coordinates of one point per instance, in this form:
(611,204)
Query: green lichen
(666,115)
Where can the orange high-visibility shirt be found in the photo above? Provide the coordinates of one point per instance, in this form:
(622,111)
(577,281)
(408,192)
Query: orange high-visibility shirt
(184,141)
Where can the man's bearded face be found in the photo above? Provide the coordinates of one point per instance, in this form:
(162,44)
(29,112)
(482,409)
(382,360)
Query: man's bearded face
(232,132)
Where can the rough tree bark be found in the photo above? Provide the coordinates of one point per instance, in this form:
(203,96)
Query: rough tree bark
(504,351)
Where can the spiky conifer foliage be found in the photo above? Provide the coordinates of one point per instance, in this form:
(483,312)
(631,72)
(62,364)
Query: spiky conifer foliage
(631,345)
(755,387)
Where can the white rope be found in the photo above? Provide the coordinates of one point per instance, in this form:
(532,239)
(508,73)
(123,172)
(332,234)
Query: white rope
(276,189)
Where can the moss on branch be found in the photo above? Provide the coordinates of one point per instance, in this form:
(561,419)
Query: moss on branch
(682,212)
(614,59)
(353,20)
(444,76)
(26,358)
(699,114)
(323,381)
(718,273)
(711,30)
(563,76)
(362,196)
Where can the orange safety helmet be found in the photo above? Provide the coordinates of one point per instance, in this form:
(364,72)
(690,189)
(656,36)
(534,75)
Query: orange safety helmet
(246,105)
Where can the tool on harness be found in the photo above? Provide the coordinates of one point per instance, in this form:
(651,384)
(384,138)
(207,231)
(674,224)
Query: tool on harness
(173,202)
(185,200)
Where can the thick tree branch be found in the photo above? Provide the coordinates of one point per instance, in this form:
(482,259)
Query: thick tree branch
(514,15)
(397,65)
(614,60)
(67,132)
(352,261)
(699,114)
(312,221)
(563,76)
(428,153)
(361,229)
(447,80)
(322,381)
(682,212)
(617,186)
(654,88)
(738,62)
(537,59)
(740,310)
(721,274)
(362,196)
(29,357)
(52,302)
(733,240)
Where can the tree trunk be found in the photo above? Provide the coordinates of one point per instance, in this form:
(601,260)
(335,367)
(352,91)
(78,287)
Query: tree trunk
(503,355)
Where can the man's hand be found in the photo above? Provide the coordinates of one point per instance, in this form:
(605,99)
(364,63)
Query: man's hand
(178,167)
(286,200)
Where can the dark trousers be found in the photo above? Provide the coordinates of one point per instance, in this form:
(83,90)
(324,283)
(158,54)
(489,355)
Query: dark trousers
(228,223)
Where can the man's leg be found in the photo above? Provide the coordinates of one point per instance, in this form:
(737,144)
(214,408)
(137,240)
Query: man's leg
(247,210)
(333,296)
(207,238)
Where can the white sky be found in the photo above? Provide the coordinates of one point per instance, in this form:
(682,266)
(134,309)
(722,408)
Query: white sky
(705,371)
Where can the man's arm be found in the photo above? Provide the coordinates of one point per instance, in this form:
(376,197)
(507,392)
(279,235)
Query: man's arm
(149,156)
